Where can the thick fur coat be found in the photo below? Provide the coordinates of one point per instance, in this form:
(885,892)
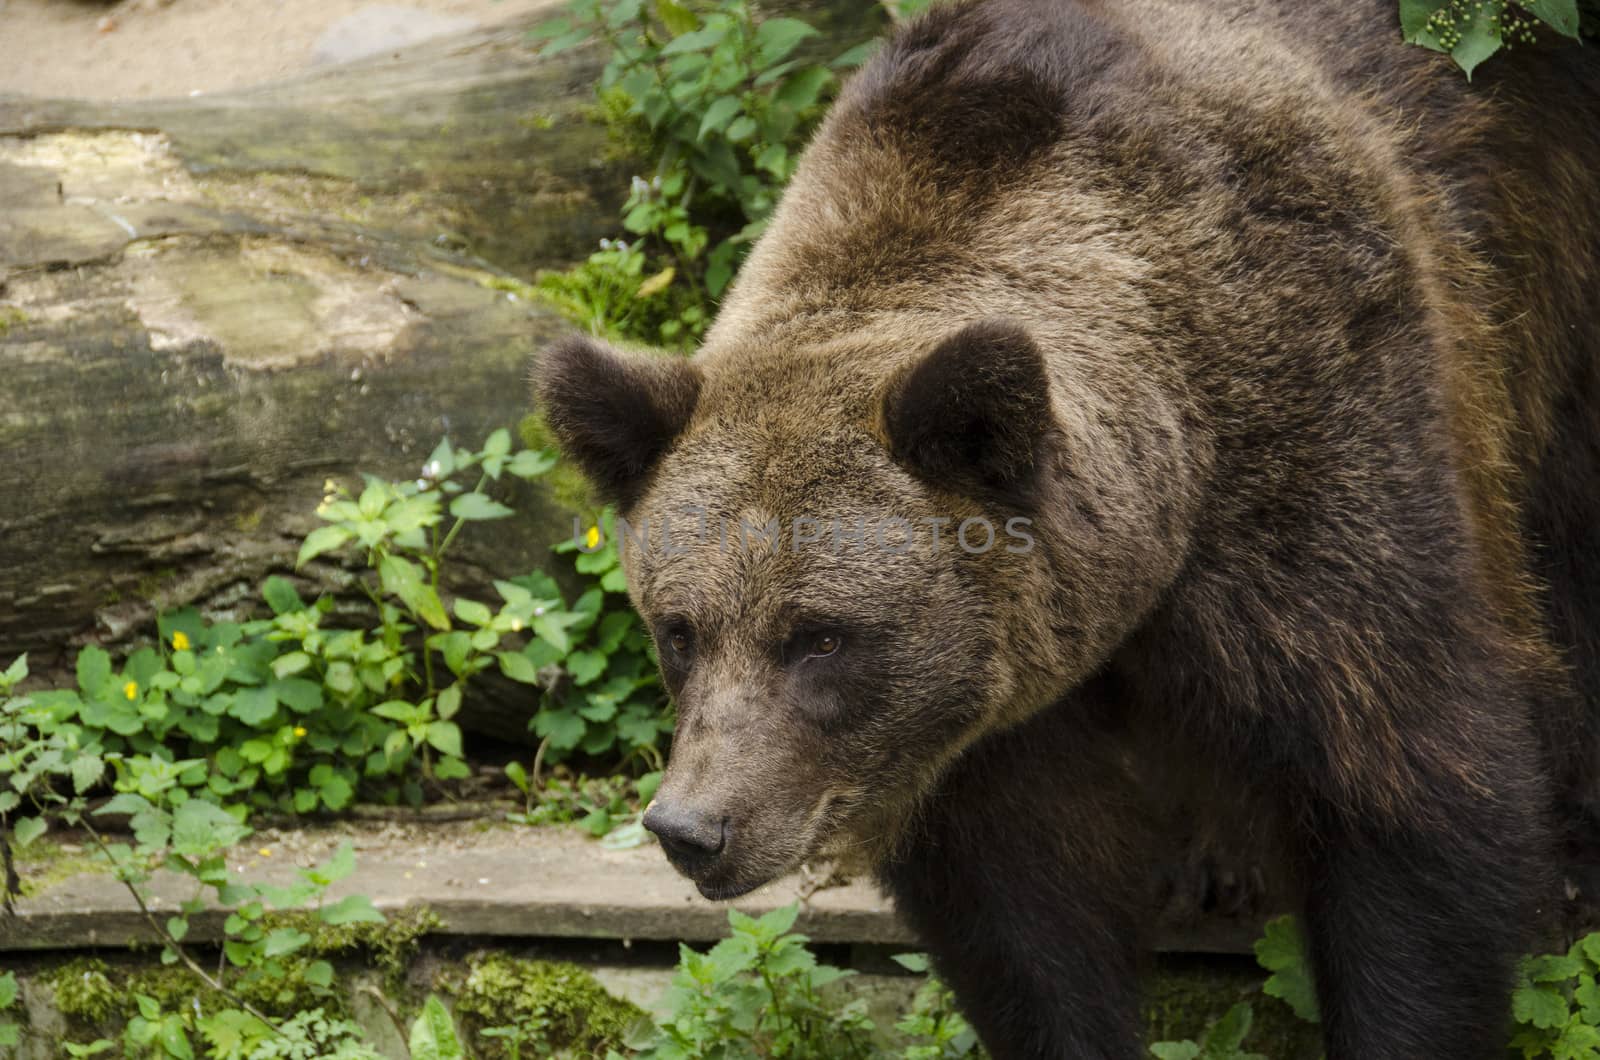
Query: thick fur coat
(1283,341)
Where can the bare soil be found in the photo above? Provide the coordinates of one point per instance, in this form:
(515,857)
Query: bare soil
(143,49)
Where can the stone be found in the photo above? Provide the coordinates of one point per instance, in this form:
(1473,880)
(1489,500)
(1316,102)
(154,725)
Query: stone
(383,28)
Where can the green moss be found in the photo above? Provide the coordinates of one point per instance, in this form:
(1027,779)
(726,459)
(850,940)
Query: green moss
(566,484)
(92,996)
(389,945)
(44,864)
(563,1005)
(84,993)
(11,317)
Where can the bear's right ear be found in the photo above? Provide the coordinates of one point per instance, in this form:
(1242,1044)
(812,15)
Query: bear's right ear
(974,413)
(614,414)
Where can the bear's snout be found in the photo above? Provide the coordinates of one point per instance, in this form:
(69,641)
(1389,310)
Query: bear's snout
(692,836)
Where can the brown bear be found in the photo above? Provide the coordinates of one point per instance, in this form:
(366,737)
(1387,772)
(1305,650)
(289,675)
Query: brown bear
(1191,396)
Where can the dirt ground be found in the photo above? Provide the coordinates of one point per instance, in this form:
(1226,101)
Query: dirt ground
(139,49)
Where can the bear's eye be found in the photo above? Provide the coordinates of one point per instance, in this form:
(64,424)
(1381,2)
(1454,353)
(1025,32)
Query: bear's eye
(680,641)
(825,644)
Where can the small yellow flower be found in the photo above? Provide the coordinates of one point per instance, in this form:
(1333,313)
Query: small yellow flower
(131,690)
(299,732)
(592,538)
(180,641)
(265,852)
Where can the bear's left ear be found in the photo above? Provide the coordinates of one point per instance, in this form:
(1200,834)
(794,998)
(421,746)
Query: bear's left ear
(615,414)
(972,415)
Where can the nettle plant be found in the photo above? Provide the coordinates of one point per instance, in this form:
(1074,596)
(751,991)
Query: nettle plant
(717,99)
(173,823)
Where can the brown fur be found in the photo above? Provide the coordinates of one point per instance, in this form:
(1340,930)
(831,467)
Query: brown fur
(1283,337)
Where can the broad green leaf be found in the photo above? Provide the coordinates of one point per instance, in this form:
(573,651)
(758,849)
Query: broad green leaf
(1559,15)
(200,827)
(1540,1006)
(445,736)
(290,664)
(804,88)
(450,768)
(561,727)
(281,596)
(718,115)
(695,40)
(472,506)
(1282,951)
(780,920)
(532,463)
(322,539)
(94,670)
(1553,968)
(281,941)
(404,579)
(554,630)
(14,674)
(1480,38)
(433,1035)
(351,909)
(27,829)
(448,702)
(398,710)
(472,612)
(336,792)
(1414,16)
(87,769)
(585,666)
(253,706)
(298,694)
(1227,1035)
(912,962)
(777,37)
(676,17)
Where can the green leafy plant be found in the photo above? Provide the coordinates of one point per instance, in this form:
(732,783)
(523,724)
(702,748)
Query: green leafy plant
(10,1031)
(935,1028)
(1470,31)
(719,101)
(1556,1004)
(609,808)
(757,993)
(1282,951)
(433,1033)
(1223,1040)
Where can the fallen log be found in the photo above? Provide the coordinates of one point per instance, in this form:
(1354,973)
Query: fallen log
(209,306)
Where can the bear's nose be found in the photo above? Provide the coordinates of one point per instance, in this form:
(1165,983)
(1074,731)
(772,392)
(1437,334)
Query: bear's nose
(687,833)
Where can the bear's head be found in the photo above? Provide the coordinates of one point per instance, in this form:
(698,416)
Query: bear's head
(848,561)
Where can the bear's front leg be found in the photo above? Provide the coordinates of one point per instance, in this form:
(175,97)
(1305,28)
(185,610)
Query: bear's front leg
(1415,922)
(1022,881)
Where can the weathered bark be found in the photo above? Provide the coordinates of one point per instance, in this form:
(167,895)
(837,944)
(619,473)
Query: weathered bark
(211,306)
